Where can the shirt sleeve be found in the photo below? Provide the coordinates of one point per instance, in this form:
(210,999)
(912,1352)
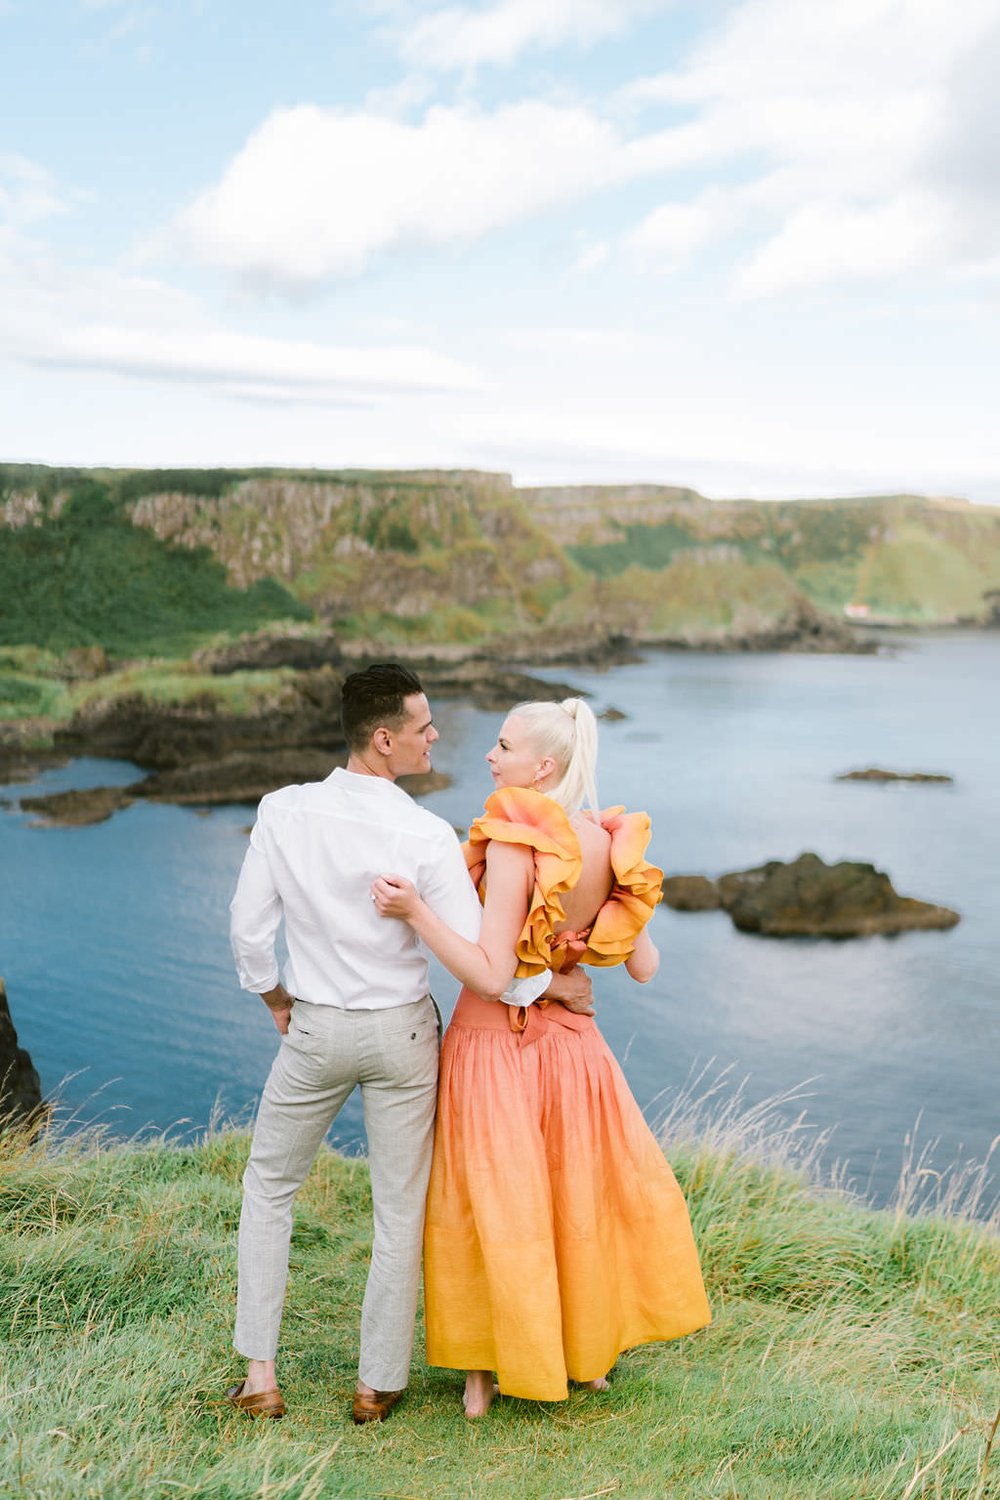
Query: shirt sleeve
(448,890)
(255,916)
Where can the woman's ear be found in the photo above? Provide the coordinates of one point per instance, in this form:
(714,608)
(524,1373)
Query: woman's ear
(544,769)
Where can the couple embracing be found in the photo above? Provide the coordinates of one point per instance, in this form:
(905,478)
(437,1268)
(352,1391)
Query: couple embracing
(555,1234)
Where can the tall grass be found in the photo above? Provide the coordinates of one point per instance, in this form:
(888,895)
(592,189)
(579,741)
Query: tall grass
(852,1356)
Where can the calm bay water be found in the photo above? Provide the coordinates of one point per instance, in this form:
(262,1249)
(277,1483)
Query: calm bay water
(113,939)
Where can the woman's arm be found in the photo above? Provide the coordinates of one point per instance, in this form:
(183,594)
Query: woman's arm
(487,967)
(644,959)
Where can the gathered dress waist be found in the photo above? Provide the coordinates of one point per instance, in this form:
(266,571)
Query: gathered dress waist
(527,1023)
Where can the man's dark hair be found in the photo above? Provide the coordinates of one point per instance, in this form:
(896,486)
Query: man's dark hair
(373,698)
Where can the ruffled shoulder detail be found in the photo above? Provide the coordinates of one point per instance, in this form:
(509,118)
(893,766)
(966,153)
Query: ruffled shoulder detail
(634,895)
(519,815)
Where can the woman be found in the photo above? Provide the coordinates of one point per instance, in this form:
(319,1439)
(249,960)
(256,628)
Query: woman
(556,1233)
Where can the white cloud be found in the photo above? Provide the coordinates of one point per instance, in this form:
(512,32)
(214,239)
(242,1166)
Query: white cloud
(830,124)
(587,342)
(811,143)
(669,238)
(835,241)
(214,356)
(104,320)
(316,193)
(591,258)
(28,192)
(462,38)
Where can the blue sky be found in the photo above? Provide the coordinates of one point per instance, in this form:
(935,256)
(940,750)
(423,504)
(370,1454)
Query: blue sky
(752,246)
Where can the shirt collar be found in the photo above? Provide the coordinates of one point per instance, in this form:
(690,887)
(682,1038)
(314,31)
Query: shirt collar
(374,786)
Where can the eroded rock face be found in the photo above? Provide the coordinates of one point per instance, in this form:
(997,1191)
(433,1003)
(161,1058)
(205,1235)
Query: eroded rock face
(20,1086)
(268,649)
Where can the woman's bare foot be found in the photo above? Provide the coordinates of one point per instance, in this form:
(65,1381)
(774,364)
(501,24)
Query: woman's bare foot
(602,1383)
(480,1390)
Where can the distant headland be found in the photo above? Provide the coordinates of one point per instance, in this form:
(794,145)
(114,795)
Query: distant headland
(225,593)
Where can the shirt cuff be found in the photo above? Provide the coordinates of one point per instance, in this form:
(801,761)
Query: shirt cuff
(527,991)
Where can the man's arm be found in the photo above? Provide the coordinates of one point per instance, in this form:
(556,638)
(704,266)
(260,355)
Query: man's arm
(574,990)
(255,916)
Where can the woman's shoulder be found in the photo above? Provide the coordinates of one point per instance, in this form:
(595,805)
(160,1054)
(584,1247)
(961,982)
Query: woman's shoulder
(516,814)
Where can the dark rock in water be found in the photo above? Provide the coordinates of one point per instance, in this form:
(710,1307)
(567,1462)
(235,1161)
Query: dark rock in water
(244,776)
(161,736)
(269,649)
(875,774)
(809,898)
(80,808)
(20,1086)
(691,893)
(568,648)
(487,685)
(612,715)
(425,782)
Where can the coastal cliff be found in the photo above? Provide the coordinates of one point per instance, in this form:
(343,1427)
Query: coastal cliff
(157,561)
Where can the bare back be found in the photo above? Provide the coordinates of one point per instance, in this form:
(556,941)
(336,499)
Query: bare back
(585,900)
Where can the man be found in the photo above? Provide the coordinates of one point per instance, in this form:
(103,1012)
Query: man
(354,1009)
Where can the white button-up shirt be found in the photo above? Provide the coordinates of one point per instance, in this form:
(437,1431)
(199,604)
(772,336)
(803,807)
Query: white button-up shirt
(314,852)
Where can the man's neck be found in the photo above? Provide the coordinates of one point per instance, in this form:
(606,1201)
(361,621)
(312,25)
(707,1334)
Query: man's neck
(369,763)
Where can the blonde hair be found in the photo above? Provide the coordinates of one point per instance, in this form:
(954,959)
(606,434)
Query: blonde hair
(566,731)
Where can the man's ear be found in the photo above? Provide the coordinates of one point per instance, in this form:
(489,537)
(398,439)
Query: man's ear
(382,740)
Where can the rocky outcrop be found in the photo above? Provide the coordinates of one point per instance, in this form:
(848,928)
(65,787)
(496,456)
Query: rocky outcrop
(301,650)
(77,809)
(200,755)
(691,893)
(809,898)
(20,1086)
(218,783)
(874,773)
(303,713)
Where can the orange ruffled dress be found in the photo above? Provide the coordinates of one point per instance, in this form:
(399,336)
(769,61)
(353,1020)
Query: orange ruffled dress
(556,1233)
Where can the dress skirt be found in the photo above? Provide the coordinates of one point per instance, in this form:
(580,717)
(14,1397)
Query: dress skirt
(556,1233)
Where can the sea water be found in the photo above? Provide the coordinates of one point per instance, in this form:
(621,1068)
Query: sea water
(114,945)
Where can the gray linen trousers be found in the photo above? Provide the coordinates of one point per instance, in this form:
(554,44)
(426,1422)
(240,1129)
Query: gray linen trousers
(392,1055)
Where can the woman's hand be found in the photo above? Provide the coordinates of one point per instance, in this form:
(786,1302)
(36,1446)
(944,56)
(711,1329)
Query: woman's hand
(395,896)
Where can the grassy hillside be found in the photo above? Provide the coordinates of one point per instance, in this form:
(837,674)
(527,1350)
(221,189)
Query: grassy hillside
(914,559)
(88,576)
(155,561)
(701,594)
(853,1355)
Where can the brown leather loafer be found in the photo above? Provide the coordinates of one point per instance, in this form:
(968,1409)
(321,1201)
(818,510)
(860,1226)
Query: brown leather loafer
(374,1408)
(258,1403)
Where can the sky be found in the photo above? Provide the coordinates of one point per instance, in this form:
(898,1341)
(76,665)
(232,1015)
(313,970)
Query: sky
(750,246)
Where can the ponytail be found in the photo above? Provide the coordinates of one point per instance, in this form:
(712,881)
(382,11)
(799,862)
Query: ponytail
(566,731)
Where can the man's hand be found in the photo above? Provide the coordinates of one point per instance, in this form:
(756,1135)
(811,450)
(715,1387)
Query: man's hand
(279,1002)
(574,990)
